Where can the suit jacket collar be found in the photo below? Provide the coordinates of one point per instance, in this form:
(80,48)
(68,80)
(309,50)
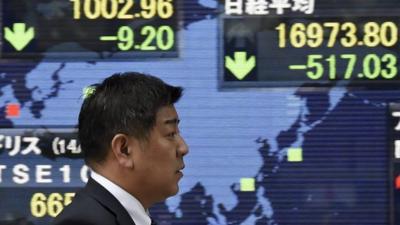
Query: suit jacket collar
(105,198)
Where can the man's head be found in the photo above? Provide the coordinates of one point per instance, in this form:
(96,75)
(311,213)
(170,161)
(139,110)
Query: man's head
(128,129)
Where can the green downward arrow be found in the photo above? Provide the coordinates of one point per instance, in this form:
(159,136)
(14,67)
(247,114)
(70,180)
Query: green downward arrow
(19,37)
(240,66)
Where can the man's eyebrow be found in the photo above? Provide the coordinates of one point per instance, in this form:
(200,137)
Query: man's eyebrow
(172,121)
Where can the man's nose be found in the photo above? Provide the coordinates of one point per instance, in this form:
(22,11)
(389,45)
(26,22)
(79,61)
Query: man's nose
(183,148)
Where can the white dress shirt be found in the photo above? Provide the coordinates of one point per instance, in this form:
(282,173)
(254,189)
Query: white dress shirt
(135,209)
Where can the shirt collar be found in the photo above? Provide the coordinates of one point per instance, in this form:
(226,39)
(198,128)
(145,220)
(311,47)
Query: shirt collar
(135,209)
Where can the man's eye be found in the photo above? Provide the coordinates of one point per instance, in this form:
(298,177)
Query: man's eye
(173,134)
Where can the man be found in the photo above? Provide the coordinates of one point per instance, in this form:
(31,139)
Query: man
(128,129)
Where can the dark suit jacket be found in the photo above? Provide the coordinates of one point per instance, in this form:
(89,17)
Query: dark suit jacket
(94,205)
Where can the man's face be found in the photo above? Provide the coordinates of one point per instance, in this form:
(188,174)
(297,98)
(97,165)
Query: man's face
(160,162)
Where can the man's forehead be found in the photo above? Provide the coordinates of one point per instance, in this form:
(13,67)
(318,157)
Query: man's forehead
(167,115)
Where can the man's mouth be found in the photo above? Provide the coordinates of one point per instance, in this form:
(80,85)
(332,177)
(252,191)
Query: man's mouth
(180,169)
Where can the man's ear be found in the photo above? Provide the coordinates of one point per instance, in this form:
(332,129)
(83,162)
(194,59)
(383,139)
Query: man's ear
(123,149)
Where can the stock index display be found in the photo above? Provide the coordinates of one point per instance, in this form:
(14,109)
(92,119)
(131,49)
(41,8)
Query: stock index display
(117,29)
(284,44)
(290,108)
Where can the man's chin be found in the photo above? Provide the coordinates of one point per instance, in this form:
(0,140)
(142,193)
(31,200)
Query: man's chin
(174,190)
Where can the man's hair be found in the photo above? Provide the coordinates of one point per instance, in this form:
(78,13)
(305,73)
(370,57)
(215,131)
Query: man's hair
(123,103)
